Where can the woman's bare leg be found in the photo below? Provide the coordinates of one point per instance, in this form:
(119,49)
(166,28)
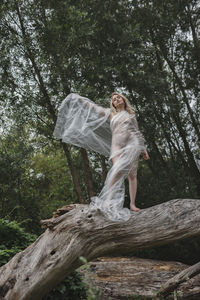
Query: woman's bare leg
(132,191)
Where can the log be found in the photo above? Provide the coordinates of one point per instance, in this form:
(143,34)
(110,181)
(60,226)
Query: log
(129,277)
(178,279)
(32,273)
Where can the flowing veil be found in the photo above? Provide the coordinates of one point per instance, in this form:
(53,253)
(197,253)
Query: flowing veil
(83,123)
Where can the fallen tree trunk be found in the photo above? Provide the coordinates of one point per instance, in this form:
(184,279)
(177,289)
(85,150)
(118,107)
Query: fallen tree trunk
(130,277)
(81,232)
(181,277)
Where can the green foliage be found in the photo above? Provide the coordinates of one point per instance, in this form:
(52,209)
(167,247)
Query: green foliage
(92,292)
(71,288)
(13,239)
(48,178)
(34,183)
(15,153)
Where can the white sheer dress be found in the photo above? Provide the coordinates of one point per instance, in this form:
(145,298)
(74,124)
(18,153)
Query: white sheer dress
(83,123)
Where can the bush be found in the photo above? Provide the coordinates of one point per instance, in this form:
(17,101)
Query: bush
(13,239)
(71,288)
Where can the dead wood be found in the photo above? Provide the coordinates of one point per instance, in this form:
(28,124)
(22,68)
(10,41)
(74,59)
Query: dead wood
(82,232)
(183,276)
(119,278)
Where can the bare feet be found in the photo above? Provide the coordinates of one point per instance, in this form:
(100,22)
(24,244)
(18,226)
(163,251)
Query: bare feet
(134,208)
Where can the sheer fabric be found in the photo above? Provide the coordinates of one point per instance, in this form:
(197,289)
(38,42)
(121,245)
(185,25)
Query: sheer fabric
(83,123)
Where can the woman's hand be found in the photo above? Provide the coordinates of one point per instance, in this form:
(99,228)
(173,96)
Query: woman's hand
(145,155)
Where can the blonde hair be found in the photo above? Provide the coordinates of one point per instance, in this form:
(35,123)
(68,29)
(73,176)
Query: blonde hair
(127,105)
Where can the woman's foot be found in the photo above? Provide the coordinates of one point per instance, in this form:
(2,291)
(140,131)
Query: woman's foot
(134,208)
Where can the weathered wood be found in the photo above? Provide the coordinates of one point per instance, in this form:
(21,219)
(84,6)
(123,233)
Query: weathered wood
(183,276)
(127,277)
(81,232)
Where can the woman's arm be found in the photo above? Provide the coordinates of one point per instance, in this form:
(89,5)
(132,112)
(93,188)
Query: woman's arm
(145,155)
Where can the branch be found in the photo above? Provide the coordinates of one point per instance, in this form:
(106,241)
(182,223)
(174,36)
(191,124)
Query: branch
(81,231)
(175,281)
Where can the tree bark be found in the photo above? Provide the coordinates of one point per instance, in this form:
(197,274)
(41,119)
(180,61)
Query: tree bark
(81,231)
(181,277)
(73,172)
(136,278)
(87,172)
(104,169)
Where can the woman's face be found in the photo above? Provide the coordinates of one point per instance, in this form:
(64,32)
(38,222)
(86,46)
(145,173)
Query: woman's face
(118,102)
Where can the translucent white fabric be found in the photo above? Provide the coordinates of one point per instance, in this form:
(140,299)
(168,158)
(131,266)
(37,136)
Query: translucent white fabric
(83,123)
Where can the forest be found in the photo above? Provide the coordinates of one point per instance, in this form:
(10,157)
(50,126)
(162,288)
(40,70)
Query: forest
(147,50)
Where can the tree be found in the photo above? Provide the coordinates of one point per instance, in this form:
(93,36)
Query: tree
(155,62)
(82,232)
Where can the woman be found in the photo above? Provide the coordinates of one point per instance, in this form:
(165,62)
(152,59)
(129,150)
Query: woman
(112,132)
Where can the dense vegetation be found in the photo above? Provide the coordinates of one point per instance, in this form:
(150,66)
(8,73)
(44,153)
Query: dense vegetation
(149,50)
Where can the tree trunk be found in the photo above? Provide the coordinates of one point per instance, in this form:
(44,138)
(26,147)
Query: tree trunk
(31,57)
(136,278)
(104,169)
(175,281)
(182,89)
(73,172)
(193,168)
(175,116)
(196,41)
(87,172)
(170,63)
(47,103)
(81,231)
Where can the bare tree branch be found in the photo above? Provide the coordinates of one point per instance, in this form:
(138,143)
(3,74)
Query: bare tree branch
(181,277)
